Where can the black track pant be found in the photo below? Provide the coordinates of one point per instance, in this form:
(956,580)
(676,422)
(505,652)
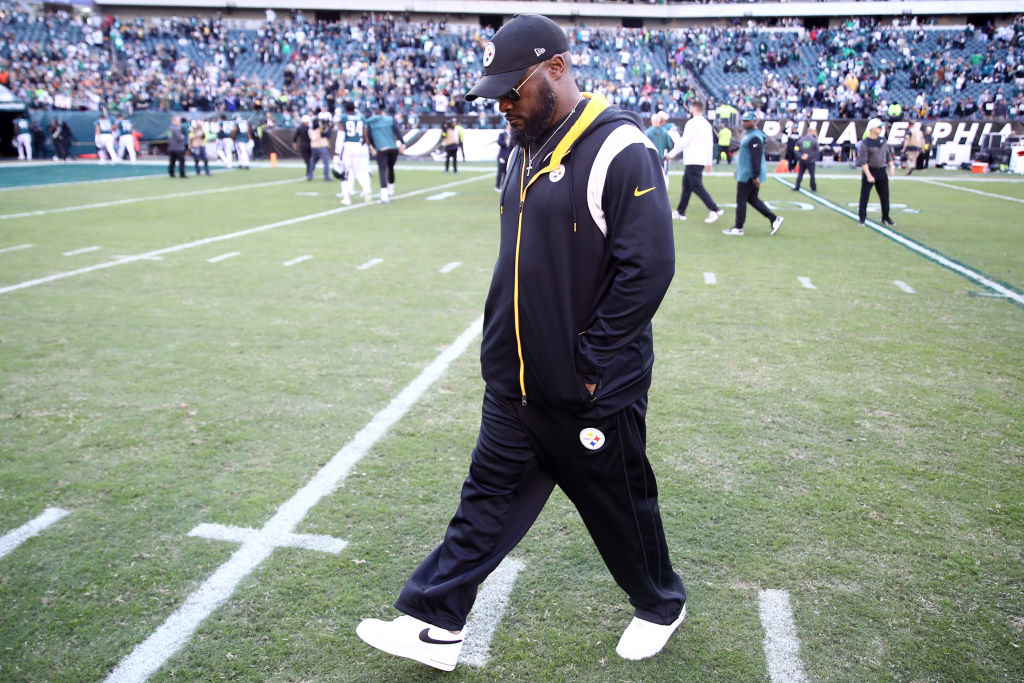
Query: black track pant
(522,452)
(176,158)
(808,166)
(693,183)
(881,186)
(746,192)
(386,159)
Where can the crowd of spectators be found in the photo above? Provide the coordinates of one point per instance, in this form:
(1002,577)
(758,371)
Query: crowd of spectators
(290,65)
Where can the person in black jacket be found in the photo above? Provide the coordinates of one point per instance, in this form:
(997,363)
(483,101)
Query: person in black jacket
(504,147)
(300,142)
(586,257)
(176,147)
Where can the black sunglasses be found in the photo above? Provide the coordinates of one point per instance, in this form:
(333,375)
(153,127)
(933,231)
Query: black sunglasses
(513,94)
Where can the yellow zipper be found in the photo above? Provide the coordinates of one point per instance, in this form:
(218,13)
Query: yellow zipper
(595,106)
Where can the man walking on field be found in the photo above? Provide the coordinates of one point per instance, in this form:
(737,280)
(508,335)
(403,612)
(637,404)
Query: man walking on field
(696,146)
(586,257)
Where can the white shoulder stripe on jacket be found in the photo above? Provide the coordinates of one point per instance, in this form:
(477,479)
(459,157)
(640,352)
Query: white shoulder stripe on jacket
(620,138)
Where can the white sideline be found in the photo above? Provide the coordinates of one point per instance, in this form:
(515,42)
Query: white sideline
(151,654)
(967,189)
(136,200)
(781,645)
(12,539)
(217,238)
(491,603)
(932,256)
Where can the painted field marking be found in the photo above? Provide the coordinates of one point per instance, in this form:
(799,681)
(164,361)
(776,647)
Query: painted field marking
(967,189)
(930,254)
(439,196)
(83,250)
(16,248)
(781,645)
(139,258)
(223,257)
(806,282)
(12,539)
(218,238)
(449,267)
(294,261)
(370,264)
(176,630)
(904,286)
(307,194)
(489,608)
(235,534)
(136,200)
(710,279)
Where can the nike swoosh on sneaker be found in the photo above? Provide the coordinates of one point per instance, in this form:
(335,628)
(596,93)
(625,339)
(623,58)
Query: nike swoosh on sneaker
(637,192)
(425,637)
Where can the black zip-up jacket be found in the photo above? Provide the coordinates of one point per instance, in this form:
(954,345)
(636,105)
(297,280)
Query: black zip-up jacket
(586,257)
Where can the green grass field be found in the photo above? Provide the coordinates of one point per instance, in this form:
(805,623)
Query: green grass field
(856,445)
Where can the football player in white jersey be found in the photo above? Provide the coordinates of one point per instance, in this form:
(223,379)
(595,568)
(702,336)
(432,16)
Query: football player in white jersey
(23,137)
(105,138)
(352,146)
(243,141)
(125,140)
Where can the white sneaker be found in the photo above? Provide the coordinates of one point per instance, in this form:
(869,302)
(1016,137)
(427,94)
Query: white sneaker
(643,639)
(776,224)
(346,201)
(409,637)
(733,231)
(714,216)
(678,216)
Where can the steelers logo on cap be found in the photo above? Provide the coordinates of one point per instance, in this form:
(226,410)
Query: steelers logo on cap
(488,53)
(592,438)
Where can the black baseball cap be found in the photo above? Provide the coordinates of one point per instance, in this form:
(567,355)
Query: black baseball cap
(526,40)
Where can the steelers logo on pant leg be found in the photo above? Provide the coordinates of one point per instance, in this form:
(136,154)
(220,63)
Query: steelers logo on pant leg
(592,438)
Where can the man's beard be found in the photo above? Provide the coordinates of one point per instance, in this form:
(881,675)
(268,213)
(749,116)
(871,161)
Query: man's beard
(537,124)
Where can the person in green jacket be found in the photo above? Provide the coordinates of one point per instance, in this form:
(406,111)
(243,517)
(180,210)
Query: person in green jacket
(750,173)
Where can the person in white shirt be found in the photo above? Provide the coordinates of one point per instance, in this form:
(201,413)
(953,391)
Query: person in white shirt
(696,146)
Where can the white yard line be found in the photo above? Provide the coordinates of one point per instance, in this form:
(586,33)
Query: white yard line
(83,250)
(13,539)
(967,189)
(449,267)
(136,200)
(223,257)
(781,645)
(16,248)
(370,264)
(218,238)
(904,286)
(172,635)
(297,260)
(488,609)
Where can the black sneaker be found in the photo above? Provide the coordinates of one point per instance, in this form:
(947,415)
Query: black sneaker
(889,222)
